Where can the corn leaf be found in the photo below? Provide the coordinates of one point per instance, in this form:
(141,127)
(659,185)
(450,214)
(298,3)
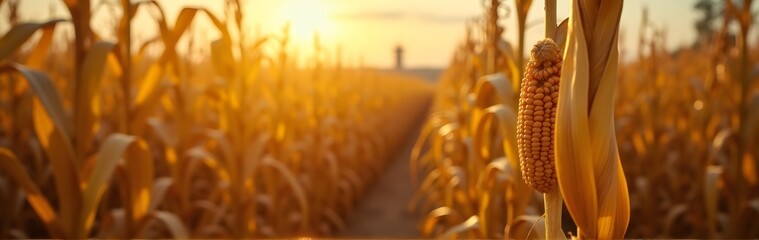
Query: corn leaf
(295,186)
(527,227)
(161,187)
(107,159)
(432,219)
(711,196)
(148,89)
(173,223)
(53,130)
(139,166)
(14,170)
(65,172)
(47,94)
(471,224)
(17,36)
(587,159)
(560,36)
(574,173)
(86,90)
(40,52)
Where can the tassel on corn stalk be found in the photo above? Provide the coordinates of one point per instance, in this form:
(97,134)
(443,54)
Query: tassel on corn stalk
(589,171)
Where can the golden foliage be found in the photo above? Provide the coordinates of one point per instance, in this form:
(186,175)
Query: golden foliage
(102,142)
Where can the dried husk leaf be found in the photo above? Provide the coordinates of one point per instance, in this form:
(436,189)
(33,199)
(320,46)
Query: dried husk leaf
(587,159)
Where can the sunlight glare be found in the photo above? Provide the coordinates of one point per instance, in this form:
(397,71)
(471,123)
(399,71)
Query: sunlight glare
(308,18)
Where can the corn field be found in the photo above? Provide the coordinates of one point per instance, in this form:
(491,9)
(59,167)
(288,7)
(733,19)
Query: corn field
(661,147)
(100,141)
(110,137)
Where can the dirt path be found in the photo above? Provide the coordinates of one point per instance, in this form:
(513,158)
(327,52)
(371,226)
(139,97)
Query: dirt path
(381,213)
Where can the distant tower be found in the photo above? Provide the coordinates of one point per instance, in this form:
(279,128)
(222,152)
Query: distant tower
(398,57)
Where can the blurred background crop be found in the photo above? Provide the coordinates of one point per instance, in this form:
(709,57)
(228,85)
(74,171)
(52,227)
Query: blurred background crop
(325,118)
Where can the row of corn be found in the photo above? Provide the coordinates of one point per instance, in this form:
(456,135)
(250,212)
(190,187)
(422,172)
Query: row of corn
(115,139)
(661,147)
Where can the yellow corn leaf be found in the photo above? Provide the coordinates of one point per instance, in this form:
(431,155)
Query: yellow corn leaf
(673,213)
(53,130)
(511,66)
(295,186)
(507,122)
(113,65)
(560,35)
(148,100)
(148,85)
(173,223)
(43,88)
(183,21)
(433,122)
(527,227)
(40,52)
(335,219)
(498,171)
(493,89)
(226,150)
(161,187)
(711,197)
(221,26)
(603,41)
(65,171)
(432,219)
(253,153)
(221,48)
(114,224)
(523,6)
(135,5)
(170,38)
(604,151)
(14,170)
(17,36)
(506,119)
(471,224)
(622,217)
(587,159)
(223,61)
(197,156)
(333,165)
(108,157)
(575,174)
(140,55)
(86,91)
(139,171)
(722,139)
(425,187)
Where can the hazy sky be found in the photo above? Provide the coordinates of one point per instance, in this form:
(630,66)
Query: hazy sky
(429,30)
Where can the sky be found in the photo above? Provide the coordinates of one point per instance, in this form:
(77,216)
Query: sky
(368,31)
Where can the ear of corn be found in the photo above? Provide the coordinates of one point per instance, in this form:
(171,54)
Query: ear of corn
(537,113)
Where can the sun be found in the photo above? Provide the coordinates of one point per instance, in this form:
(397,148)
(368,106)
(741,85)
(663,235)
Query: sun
(307,18)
